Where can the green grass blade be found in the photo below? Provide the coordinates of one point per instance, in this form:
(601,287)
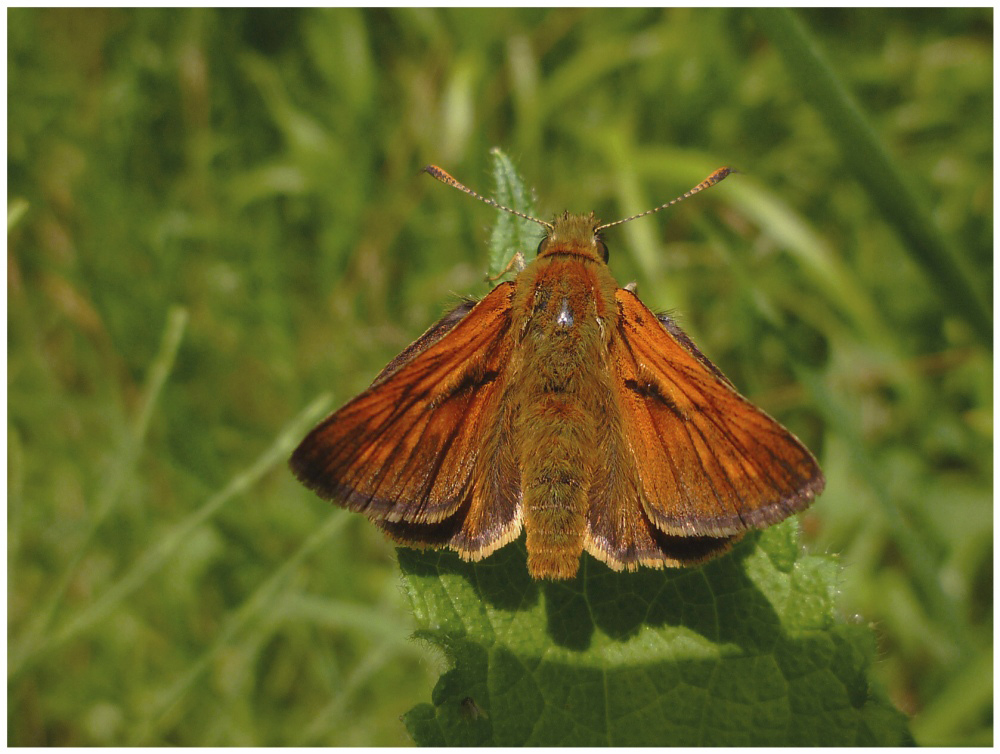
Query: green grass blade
(118,476)
(881,176)
(261,600)
(159,553)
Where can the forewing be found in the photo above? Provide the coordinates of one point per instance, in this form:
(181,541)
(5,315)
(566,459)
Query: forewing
(405,450)
(709,462)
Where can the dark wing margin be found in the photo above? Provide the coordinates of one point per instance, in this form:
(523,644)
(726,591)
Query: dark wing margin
(432,335)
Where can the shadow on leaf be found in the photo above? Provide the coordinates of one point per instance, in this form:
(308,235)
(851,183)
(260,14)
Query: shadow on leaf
(710,600)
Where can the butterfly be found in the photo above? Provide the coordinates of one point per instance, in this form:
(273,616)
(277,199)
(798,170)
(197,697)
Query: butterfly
(560,405)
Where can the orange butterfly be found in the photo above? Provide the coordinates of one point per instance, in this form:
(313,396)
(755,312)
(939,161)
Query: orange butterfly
(561,405)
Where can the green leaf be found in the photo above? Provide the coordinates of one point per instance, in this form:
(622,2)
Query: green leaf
(746,650)
(511,234)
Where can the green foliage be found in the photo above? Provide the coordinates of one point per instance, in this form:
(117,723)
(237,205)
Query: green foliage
(745,651)
(511,235)
(215,216)
(884,180)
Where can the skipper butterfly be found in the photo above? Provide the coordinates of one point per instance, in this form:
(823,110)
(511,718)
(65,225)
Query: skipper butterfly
(559,404)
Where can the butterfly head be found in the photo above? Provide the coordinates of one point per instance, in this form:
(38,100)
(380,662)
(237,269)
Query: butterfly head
(579,235)
(574,234)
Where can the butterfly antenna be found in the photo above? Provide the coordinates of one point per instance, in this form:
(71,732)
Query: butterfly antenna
(445,177)
(714,178)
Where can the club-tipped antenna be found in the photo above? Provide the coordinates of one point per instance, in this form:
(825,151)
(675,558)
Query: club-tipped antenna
(714,178)
(445,177)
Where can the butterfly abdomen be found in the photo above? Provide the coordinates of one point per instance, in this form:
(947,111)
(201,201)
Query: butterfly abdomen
(556,447)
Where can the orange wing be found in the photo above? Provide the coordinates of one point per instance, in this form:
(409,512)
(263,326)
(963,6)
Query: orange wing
(709,462)
(414,448)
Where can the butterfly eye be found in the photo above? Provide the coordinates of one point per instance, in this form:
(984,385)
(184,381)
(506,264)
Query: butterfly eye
(541,245)
(602,249)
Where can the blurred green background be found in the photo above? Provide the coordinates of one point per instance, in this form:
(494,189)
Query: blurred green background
(216,219)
